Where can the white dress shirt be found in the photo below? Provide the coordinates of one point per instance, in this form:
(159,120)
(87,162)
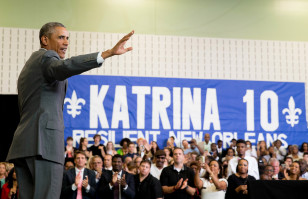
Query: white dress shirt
(156,172)
(74,187)
(253,169)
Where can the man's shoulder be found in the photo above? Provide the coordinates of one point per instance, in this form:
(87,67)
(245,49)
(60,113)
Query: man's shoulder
(251,159)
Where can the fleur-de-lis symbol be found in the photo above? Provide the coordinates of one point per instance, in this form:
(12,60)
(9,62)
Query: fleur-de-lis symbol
(74,108)
(292,117)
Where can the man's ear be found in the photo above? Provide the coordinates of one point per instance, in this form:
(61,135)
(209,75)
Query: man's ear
(44,40)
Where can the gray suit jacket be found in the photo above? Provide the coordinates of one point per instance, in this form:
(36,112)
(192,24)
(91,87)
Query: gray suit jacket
(41,91)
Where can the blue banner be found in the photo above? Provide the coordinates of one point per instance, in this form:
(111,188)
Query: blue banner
(157,108)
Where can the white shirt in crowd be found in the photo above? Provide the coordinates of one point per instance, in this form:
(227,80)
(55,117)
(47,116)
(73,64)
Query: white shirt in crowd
(156,171)
(251,152)
(74,187)
(210,190)
(253,169)
(205,146)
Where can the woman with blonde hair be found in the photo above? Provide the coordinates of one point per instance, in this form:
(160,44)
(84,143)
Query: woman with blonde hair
(110,148)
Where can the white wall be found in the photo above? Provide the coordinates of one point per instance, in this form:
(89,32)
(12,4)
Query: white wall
(166,56)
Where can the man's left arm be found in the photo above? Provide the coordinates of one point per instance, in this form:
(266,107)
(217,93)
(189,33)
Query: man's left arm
(130,190)
(190,184)
(254,168)
(91,189)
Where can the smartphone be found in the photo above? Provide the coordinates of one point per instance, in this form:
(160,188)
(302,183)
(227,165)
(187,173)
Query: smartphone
(202,159)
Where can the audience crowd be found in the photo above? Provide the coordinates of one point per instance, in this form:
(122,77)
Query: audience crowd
(194,170)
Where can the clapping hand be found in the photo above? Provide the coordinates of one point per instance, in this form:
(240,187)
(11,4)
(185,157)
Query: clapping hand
(123,181)
(85,182)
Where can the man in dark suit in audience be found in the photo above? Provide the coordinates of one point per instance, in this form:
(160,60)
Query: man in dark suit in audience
(116,184)
(79,181)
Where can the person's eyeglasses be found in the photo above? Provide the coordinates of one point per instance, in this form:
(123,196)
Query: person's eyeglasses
(161,158)
(269,170)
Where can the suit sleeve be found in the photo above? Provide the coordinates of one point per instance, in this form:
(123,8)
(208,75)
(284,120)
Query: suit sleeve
(130,191)
(92,183)
(67,185)
(103,187)
(56,69)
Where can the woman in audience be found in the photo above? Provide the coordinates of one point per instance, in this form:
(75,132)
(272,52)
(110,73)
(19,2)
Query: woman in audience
(124,146)
(154,148)
(10,188)
(250,151)
(294,173)
(304,148)
(69,149)
(290,147)
(169,155)
(237,183)
(212,185)
(295,154)
(83,146)
(110,148)
(262,149)
(280,151)
(230,154)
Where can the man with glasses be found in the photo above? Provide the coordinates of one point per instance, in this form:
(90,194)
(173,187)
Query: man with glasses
(157,168)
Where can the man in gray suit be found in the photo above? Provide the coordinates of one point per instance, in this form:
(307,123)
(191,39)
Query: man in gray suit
(37,149)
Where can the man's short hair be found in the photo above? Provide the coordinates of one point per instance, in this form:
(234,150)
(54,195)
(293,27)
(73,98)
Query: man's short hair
(107,155)
(272,160)
(69,138)
(79,152)
(117,156)
(130,143)
(288,158)
(178,148)
(146,161)
(240,141)
(160,153)
(193,163)
(48,29)
(97,135)
(219,141)
(97,156)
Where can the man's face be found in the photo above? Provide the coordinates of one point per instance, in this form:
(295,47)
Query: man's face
(97,139)
(160,160)
(275,166)
(69,165)
(219,144)
(117,164)
(178,156)
(207,138)
(107,161)
(144,169)
(213,147)
(138,161)
(58,41)
(193,144)
(185,143)
(288,161)
(97,164)
(80,161)
(131,148)
(241,148)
